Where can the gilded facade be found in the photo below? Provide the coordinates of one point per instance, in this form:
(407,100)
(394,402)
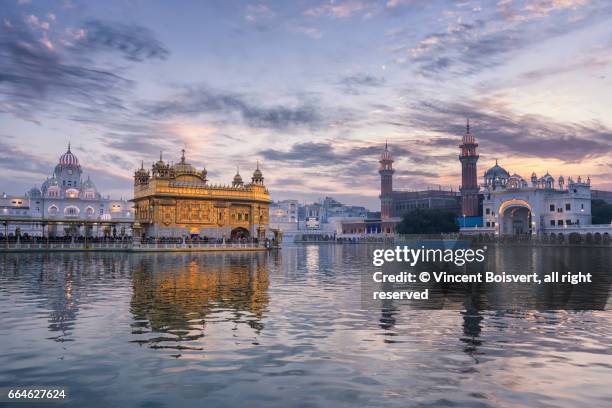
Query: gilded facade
(178,200)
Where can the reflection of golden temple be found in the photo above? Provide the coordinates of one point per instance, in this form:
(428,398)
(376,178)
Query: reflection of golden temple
(177,200)
(176,294)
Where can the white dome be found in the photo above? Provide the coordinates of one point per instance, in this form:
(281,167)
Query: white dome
(68,159)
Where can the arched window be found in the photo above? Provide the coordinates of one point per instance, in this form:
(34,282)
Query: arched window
(53,210)
(71,211)
(89,211)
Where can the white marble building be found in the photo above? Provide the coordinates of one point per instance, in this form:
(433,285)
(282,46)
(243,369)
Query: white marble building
(65,196)
(544,205)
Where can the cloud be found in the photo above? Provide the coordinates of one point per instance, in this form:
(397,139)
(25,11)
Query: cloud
(32,73)
(343,9)
(326,154)
(133,42)
(527,10)
(204,100)
(38,74)
(146,144)
(256,12)
(353,84)
(511,133)
(12,158)
(467,46)
(362,80)
(413,173)
(311,32)
(589,62)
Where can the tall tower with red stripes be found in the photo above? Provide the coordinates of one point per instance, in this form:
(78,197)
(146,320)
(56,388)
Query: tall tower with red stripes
(469,175)
(386,183)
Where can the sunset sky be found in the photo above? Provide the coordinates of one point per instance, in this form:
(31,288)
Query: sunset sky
(310,89)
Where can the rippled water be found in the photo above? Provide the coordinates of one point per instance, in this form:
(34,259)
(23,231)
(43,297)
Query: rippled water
(278,329)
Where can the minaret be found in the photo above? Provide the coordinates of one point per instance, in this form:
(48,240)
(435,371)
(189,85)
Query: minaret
(469,176)
(386,183)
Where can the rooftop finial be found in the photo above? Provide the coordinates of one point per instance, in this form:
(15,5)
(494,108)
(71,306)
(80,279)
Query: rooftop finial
(183,156)
(496,162)
(68,147)
(468,126)
(386,145)
(142,165)
(237,169)
(257,164)
(160,155)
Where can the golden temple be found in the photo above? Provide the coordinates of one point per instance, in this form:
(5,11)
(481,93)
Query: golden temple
(178,201)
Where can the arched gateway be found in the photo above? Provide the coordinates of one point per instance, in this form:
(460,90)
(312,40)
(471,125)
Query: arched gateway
(515,217)
(239,233)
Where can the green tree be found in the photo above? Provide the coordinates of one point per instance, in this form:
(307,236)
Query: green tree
(428,221)
(601,212)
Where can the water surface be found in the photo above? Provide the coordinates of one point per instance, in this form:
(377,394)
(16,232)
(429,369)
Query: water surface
(281,329)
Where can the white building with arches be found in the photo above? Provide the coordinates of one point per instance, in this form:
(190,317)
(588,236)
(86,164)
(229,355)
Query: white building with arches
(541,206)
(66,196)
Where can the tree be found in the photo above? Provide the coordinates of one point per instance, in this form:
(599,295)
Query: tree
(428,221)
(601,212)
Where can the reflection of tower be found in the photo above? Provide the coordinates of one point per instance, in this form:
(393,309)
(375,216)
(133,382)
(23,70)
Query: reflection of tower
(386,183)
(469,180)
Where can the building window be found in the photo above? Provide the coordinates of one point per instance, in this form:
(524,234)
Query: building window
(568,222)
(582,206)
(71,211)
(552,223)
(568,207)
(488,211)
(559,210)
(493,223)
(488,224)
(552,207)
(560,222)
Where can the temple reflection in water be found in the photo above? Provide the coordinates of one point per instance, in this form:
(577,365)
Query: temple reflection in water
(176,295)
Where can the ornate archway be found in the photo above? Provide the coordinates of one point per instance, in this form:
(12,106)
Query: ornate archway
(239,233)
(515,217)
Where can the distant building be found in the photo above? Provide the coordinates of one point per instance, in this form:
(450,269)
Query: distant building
(330,210)
(62,200)
(504,204)
(323,218)
(542,206)
(406,201)
(395,203)
(512,206)
(284,215)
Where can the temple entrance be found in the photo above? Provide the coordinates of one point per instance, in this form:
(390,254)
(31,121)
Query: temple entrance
(240,233)
(516,220)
